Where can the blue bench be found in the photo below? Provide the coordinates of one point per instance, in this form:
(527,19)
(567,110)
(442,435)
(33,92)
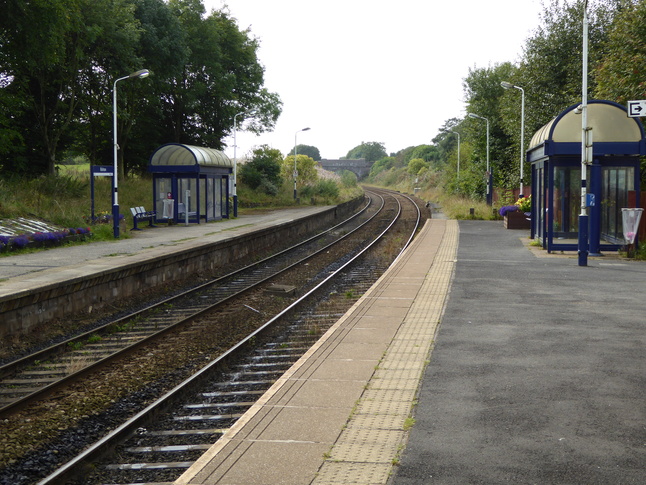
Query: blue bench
(141,214)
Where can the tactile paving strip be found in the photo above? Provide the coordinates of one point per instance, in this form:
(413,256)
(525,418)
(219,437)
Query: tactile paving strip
(353,473)
(374,436)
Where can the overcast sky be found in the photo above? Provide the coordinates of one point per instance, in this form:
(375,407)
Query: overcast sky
(374,71)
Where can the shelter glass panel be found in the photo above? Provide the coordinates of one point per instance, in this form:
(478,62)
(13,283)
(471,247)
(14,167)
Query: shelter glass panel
(221,192)
(210,198)
(163,202)
(539,188)
(566,202)
(203,196)
(617,183)
(186,201)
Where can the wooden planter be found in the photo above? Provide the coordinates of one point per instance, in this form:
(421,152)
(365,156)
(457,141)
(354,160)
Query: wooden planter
(517,220)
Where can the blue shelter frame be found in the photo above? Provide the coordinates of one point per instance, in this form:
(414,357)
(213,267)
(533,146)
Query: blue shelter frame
(190,181)
(613,177)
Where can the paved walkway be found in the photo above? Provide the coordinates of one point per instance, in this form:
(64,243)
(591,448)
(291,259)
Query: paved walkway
(20,271)
(339,415)
(537,370)
(538,375)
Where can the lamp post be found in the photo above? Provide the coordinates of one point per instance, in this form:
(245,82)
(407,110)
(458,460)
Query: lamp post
(507,85)
(295,150)
(583,216)
(235,166)
(472,115)
(458,135)
(115,196)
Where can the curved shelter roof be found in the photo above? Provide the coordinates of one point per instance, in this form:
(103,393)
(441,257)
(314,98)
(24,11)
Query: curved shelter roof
(613,132)
(175,154)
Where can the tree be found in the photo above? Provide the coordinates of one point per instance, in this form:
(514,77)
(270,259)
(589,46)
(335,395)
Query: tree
(114,54)
(483,93)
(385,163)
(417,164)
(48,49)
(620,75)
(305,166)
(551,66)
(263,170)
(222,77)
(308,150)
(370,151)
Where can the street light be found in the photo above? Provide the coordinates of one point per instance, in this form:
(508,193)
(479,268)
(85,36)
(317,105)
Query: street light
(235,166)
(458,135)
(115,197)
(472,115)
(583,216)
(507,85)
(296,171)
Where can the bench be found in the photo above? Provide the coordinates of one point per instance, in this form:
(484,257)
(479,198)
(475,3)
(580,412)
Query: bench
(141,214)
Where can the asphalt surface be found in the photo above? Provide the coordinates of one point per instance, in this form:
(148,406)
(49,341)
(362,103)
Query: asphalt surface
(538,371)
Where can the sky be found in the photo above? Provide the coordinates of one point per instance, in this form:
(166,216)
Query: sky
(357,71)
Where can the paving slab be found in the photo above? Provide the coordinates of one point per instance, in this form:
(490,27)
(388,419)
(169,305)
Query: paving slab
(355,387)
(538,375)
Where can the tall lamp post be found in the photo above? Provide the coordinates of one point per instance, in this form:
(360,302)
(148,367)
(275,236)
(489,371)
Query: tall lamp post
(458,135)
(583,216)
(507,85)
(472,115)
(115,175)
(295,150)
(235,165)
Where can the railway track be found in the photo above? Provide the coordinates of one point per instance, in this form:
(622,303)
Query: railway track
(41,373)
(159,449)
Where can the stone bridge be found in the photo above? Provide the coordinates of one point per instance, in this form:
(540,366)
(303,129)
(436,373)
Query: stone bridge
(359,166)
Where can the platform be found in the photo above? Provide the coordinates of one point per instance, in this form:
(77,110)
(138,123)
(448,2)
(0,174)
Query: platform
(163,238)
(536,375)
(488,361)
(341,411)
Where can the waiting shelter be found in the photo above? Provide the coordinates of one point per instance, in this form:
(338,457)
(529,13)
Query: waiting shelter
(613,177)
(190,183)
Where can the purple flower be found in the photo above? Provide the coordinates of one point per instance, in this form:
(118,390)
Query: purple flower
(20,241)
(41,236)
(506,209)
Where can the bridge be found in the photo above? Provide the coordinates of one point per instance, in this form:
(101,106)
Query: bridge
(359,166)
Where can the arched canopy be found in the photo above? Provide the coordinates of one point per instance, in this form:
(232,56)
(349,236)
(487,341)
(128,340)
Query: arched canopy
(613,132)
(174,154)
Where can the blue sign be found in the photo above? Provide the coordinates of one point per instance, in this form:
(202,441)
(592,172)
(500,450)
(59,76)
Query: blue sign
(102,170)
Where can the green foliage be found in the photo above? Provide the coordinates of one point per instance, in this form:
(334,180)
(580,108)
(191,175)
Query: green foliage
(327,189)
(385,163)
(54,186)
(348,179)
(416,165)
(305,166)
(370,151)
(59,61)
(483,93)
(620,75)
(308,150)
(263,170)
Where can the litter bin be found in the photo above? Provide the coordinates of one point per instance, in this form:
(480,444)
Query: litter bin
(630,219)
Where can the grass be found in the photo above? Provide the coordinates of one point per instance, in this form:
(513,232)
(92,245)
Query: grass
(458,207)
(65,199)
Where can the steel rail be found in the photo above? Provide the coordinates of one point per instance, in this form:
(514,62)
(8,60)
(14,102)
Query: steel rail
(127,428)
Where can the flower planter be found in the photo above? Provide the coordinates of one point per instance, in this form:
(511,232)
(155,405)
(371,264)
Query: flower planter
(517,220)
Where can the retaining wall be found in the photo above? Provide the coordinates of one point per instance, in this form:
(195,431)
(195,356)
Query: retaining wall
(30,308)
